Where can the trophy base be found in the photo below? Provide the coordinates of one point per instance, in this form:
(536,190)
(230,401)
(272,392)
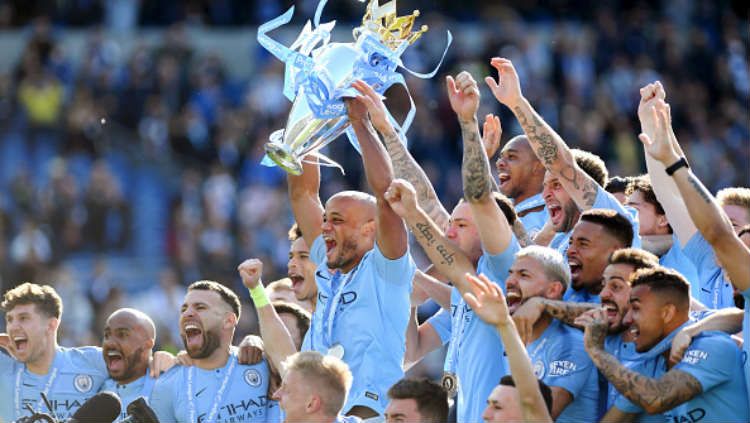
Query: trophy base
(284,159)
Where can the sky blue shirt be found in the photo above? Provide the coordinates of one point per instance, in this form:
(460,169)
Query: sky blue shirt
(713,359)
(130,392)
(559,359)
(479,362)
(369,322)
(441,322)
(533,221)
(580,296)
(604,200)
(245,397)
(75,376)
(715,291)
(676,259)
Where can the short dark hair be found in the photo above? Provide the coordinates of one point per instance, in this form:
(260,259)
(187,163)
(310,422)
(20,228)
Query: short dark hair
(294,232)
(225,293)
(643,184)
(43,297)
(664,281)
(592,164)
(639,259)
(431,397)
(613,223)
(617,184)
(507,380)
(303,316)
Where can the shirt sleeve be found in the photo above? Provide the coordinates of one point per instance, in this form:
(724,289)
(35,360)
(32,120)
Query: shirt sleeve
(162,397)
(398,271)
(318,251)
(710,360)
(496,267)
(95,359)
(441,322)
(605,200)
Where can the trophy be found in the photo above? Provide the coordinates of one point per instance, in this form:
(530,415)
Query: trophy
(318,77)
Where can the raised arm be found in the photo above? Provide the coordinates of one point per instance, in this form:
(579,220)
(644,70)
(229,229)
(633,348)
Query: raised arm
(277,340)
(529,312)
(390,231)
(488,302)
(665,188)
(705,212)
(653,395)
(546,143)
(404,165)
(495,235)
(305,199)
(445,255)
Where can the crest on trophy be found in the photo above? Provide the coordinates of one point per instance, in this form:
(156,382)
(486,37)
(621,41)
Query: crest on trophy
(319,74)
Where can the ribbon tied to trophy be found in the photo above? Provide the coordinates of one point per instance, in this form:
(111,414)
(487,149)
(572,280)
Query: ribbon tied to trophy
(318,77)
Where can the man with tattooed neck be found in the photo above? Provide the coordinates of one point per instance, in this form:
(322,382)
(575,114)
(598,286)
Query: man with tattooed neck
(706,385)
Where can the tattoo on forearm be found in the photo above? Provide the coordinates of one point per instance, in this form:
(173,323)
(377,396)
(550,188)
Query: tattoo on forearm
(475,168)
(565,311)
(425,231)
(673,389)
(405,167)
(698,186)
(445,254)
(541,140)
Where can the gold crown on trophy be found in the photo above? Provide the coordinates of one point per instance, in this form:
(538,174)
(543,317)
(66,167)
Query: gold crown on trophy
(393,30)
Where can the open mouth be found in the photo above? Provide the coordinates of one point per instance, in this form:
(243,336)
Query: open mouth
(21,343)
(114,360)
(193,336)
(330,244)
(513,298)
(555,213)
(634,332)
(297,281)
(503,178)
(575,269)
(610,309)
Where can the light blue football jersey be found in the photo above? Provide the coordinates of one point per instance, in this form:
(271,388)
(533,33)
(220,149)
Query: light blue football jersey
(715,290)
(75,376)
(232,393)
(130,392)
(559,359)
(368,321)
(533,221)
(477,354)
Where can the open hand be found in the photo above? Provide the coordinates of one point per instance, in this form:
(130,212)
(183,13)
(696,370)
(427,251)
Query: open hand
(491,132)
(487,300)
(595,326)
(659,143)
(463,94)
(373,102)
(507,89)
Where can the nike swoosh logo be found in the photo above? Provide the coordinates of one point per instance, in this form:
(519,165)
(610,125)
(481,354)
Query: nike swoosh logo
(199,392)
(320,274)
(30,386)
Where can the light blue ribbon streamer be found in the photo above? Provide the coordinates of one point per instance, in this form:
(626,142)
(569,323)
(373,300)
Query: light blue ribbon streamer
(377,67)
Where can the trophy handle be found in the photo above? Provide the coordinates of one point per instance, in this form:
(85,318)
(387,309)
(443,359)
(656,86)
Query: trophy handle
(286,160)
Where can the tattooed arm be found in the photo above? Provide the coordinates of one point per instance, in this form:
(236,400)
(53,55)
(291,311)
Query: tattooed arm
(447,258)
(528,313)
(551,150)
(404,165)
(495,232)
(653,395)
(704,211)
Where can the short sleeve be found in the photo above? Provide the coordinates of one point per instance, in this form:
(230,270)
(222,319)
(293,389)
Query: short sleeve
(441,322)
(162,397)
(398,271)
(318,251)
(495,267)
(710,360)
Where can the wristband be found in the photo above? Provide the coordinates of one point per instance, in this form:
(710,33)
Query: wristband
(258,294)
(676,165)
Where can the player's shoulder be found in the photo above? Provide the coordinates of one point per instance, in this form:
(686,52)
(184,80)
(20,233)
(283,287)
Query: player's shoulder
(82,356)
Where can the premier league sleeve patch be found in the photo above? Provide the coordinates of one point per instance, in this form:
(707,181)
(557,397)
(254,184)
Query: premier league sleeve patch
(83,383)
(253,378)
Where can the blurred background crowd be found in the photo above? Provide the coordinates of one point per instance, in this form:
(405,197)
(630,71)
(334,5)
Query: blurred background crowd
(129,160)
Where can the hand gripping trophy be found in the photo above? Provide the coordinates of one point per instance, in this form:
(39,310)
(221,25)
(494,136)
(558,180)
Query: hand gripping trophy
(319,74)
